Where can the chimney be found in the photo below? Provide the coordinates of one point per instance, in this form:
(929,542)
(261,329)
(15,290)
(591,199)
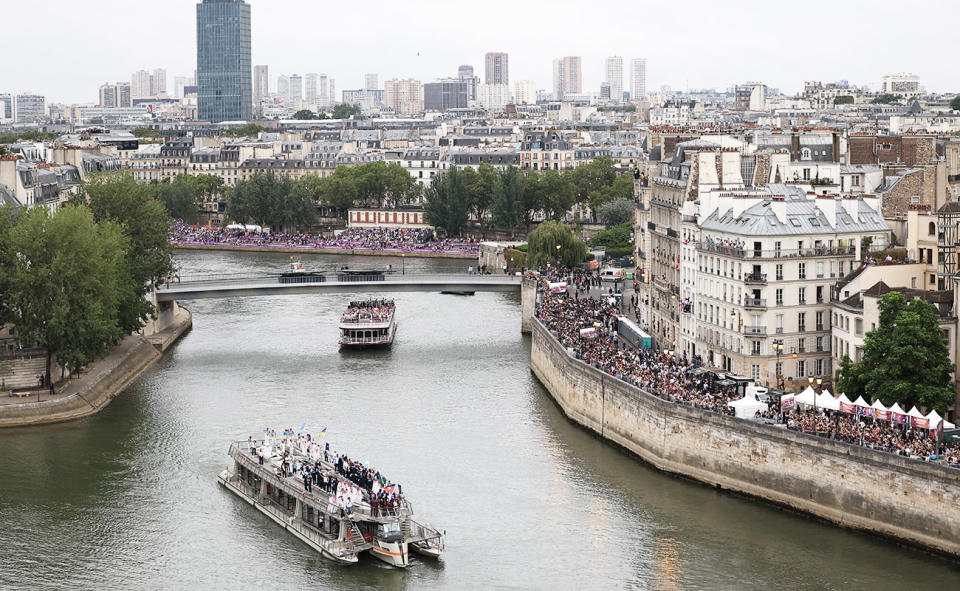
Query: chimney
(828,205)
(779,207)
(850,206)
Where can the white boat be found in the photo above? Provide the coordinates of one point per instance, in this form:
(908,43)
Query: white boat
(368,323)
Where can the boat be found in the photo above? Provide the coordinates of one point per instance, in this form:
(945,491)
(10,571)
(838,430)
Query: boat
(458,292)
(296,273)
(331,524)
(368,323)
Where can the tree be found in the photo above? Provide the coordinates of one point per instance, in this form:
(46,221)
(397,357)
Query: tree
(145,222)
(620,188)
(955,103)
(905,358)
(850,378)
(616,237)
(147,132)
(508,198)
(556,194)
(180,198)
(270,200)
(542,246)
(384,185)
(616,212)
(843,100)
(345,111)
(446,204)
(592,177)
(246,130)
(480,191)
(338,190)
(305,115)
(886,99)
(65,283)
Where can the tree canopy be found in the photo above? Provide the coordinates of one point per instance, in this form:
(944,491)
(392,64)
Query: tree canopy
(446,202)
(345,111)
(543,243)
(887,98)
(374,184)
(905,358)
(616,212)
(955,103)
(246,130)
(270,200)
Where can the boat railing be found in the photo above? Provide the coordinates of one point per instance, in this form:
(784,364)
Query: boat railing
(363,340)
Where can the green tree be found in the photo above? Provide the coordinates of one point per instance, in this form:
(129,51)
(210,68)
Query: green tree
(850,378)
(65,283)
(147,132)
(542,245)
(886,99)
(246,130)
(270,200)
(339,190)
(621,188)
(905,358)
(145,222)
(305,115)
(446,203)
(616,212)
(955,103)
(616,237)
(843,100)
(345,111)
(180,198)
(509,198)
(480,191)
(592,177)
(384,185)
(556,194)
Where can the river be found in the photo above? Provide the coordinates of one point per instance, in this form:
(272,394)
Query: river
(129,499)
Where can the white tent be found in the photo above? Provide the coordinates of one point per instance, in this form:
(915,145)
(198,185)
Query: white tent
(934,419)
(877,405)
(913,412)
(825,400)
(861,402)
(806,397)
(897,409)
(843,399)
(747,407)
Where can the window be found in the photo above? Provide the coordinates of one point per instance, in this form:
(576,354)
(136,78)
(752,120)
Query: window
(933,279)
(803,295)
(779,323)
(801,369)
(932,229)
(801,345)
(913,282)
(819,295)
(833,269)
(819,367)
(776,249)
(806,174)
(780,272)
(779,297)
(819,344)
(756,372)
(819,270)
(802,321)
(802,273)
(858,325)
(855,180)
(805,155)
(779,369)
(755,347)
(820,319)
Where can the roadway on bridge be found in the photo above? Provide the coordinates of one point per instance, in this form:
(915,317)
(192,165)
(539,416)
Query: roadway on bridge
(269,285)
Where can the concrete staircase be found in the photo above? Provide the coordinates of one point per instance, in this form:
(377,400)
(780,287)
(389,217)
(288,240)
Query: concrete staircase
(20,372)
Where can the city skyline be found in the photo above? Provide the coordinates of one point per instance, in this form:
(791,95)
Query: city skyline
(170,43)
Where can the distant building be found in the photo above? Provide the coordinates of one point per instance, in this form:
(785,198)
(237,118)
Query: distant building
(751,96)
(638,78)
(450,93)
(405,96)
(29,107)
(295,96)
(261,83)
(613,70)
(6,107)
(567,76)
(465,74)
(902,83)
(497,70)
(493,97)
(525,92)
(115,95)
(224,74)
(371,82)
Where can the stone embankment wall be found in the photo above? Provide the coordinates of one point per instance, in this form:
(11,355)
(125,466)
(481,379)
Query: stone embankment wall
(854,487)
(424,254)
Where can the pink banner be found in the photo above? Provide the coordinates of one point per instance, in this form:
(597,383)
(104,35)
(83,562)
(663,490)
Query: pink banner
(787,401)
(865,411)
(850,408)
(883,415)
(899,418)
(920,422)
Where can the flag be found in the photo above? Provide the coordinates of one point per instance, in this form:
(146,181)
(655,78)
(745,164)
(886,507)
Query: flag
(303,427)
(323,432)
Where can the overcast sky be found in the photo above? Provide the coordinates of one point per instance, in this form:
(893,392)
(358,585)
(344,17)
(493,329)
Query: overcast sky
(75,45)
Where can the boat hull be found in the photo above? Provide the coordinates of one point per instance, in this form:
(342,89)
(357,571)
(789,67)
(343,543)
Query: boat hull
(393,553)
(427,549)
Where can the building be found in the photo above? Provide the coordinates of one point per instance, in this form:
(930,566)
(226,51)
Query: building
(108,95)
(261,83)
(405,96)
(371,82)
(224,74)
(493,97)
(638,78)
(902,83)
(116,95)
(29,107)
(751,96)
(525,92)
(465,74)
(295,93)
(283,87)
(567,76)
(158,82)
(546,150)
(613,75)
(497,70)
(140,84)
(310,85)
(442,95)
(6,107)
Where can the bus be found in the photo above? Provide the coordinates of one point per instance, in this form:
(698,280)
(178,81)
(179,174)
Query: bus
(633,334)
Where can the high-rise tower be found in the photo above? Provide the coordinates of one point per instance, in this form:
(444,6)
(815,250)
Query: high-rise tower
(224,85)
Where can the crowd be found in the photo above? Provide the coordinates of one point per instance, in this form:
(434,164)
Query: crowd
(399,239)
(369,311)
(678,381)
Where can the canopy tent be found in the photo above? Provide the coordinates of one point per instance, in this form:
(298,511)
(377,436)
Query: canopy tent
(825,400)
(935,419)
(861,402)
(807,397)
(843,399)
(913,412)
(747,407)
(877,405)
(897,408)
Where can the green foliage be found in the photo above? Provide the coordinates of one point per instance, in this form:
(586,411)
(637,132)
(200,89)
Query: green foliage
(905,359)
(616,237)
(446,202)
(886,99)
(555,194)
(64,287)
(345,111)
(543,242)
(592,177)
(27,136)
(516,259)
(620,189)
(246,130)
(955,103)
(147,132)
(843,100)
(480,184)
(305,115)
(118,198)
(180,198)
(270,200)
(618,211)
(509,199)
(375,184)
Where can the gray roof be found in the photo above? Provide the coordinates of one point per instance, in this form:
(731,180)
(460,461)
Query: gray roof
(803,217)
(7,197)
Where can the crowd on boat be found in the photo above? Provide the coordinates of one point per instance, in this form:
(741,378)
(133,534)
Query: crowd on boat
(588,328)
(379,310)
(399,239)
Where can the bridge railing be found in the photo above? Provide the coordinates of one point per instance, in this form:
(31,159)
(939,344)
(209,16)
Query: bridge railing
(207,279)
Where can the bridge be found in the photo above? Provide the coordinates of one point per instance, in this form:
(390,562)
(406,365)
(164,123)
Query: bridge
(224,286)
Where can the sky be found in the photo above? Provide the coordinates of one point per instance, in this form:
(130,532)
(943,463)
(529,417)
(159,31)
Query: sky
(77,45)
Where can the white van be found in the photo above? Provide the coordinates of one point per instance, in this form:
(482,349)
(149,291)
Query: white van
(611,274)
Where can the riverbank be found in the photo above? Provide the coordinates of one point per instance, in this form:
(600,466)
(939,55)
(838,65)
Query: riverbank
(373,252)
(855,487)
(99,383)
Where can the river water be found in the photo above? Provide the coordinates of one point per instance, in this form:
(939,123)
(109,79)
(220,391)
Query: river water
(129,498)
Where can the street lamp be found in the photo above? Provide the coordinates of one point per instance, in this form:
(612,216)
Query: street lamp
(558,255)
(403,259)
(814,396)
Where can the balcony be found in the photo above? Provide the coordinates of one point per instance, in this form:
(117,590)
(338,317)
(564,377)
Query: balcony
(820,327)
(783,253)
(755,278)
(779,330)
(754,302)
(802,328)
(760,330)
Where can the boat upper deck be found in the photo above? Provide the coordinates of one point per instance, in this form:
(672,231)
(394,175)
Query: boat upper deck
(368,314)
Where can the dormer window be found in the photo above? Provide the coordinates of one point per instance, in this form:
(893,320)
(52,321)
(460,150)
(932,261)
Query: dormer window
(805,154)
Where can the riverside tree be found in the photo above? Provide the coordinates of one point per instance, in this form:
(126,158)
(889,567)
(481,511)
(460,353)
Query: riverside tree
(446,202)
(65,286)
(118,198)
(905,358)
(542,246)
(270,200)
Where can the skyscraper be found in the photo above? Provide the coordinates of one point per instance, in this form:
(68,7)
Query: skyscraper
(638,78)
(567,77)
(261,83)
(296,90)
(225,88)
(465,74)
(283,87)
(371,82)
(141,83)
(108,95)
(403,96)
(158,82)
(497,69)
(310,84)
(525,92)
(614,77)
